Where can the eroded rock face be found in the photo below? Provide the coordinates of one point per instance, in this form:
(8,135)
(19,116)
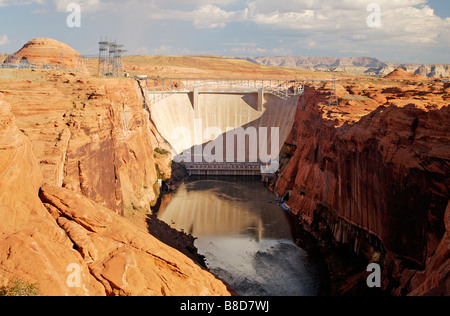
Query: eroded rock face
(69,245)
(32,247)
(435,280)
(90,135)
(124,259)
(16,156)
(379,183)
(47,52)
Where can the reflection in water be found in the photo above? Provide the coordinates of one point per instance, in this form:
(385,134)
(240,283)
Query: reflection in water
(244,235)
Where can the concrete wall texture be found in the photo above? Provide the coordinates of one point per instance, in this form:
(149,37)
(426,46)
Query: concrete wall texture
(217,116)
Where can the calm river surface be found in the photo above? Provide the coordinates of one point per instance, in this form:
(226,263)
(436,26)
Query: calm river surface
(245,236)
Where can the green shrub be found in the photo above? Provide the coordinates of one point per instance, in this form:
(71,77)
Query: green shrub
(20,288)
(162,151)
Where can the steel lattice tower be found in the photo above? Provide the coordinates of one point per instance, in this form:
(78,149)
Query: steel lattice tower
(110,58)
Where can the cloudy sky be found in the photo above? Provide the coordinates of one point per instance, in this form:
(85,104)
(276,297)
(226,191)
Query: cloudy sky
(410,31)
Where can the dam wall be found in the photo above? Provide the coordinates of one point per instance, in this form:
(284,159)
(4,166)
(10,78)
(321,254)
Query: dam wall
(224,127)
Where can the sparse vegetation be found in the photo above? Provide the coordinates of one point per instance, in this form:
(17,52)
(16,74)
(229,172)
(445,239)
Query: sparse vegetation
(160,174)
(59,138)
(20,288)
(162,151)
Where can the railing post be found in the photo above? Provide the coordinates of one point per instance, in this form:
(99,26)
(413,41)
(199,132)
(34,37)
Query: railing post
(287,89)
(260,99)
(195,98)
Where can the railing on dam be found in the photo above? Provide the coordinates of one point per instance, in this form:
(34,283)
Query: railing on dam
(156,89)
(223,169)
(160,88)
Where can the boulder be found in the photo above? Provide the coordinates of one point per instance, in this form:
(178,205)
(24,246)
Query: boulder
(123,258)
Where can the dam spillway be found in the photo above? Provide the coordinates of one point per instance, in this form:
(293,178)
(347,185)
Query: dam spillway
(225,127)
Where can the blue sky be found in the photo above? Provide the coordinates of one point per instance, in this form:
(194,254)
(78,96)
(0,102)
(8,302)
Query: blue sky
(410,31)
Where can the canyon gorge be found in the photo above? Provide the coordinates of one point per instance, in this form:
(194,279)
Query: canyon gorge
(81,162)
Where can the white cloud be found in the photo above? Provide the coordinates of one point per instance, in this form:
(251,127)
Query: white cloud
(315,25)
(408,17)
(4,40)
(6,3)
(87,6)
(207,16)
(403,21)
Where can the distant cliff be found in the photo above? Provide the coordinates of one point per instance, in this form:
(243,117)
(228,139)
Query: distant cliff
(371,176)
(358,65)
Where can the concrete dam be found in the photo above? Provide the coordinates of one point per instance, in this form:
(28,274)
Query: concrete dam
(224,127)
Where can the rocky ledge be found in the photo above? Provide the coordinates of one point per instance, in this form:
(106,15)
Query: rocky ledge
(370,178)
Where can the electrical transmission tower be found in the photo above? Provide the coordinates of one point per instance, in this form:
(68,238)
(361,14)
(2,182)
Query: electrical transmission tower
(103,59)
(110,58)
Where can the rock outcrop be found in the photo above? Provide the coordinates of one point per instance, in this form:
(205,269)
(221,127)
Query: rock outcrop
(90,135)
(126,261)
(435,280)
(400,74)
(69,245)
(47,52)
(32,247)
(356,65)
(379,183)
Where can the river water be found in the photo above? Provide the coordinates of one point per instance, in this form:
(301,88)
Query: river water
(245,236)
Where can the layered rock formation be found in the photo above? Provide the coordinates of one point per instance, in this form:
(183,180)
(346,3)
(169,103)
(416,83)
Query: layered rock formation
(434,280)
(33,248)
(377,184)
(400,74)
(47,52)
(123,259)
(89,135)
(68,244)
(357,65)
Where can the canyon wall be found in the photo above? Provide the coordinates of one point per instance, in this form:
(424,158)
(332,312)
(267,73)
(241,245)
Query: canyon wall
(76,153)
(378,183)
(89,135)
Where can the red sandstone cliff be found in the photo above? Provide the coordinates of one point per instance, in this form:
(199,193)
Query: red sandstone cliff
(89,135)
(88,157)
(379,183)
(47,52)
